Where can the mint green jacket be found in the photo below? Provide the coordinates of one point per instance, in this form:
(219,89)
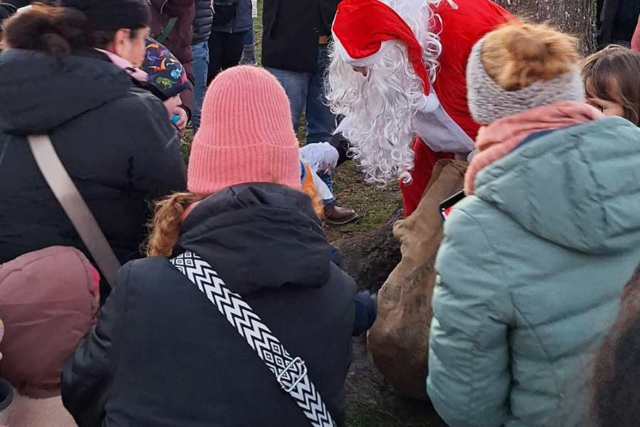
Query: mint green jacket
(530,273)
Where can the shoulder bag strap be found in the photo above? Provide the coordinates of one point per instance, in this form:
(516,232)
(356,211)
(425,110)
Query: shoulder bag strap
(74,206)
(166,30)
(290,372)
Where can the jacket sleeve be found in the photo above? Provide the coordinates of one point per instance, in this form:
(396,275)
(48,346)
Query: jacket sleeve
(173,8)
(328,9)
(607,22)
(269,12)
(87,376)
(468,351)
(157,168)
(635,41)
(187,96)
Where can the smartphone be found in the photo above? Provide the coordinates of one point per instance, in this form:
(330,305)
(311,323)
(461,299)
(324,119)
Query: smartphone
(447,205)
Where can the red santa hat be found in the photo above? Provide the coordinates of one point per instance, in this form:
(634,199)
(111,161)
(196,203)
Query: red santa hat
(363,30)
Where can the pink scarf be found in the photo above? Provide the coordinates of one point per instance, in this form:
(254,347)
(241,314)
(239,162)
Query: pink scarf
(504,135)
(127,66)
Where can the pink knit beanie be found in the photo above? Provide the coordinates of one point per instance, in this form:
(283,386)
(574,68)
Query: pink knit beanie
(245,134)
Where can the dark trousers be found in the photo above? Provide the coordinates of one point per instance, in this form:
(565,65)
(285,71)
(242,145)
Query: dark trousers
(225,51)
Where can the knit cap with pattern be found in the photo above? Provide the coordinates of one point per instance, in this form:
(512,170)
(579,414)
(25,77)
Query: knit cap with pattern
(245,135)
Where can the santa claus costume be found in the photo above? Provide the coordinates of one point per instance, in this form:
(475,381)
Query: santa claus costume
(398,74)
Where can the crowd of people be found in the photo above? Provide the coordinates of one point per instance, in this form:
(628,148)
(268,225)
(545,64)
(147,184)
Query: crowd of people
(140,286)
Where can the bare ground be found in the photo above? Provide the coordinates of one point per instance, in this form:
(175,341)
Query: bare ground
(371,401)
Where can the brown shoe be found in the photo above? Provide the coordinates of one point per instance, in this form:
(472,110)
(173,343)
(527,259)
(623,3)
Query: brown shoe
(337,215)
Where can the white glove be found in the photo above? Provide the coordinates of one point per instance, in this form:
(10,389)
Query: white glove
(428,103)
(321,157)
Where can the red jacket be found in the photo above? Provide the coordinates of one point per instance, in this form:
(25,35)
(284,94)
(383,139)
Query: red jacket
(461,29)
(179,40)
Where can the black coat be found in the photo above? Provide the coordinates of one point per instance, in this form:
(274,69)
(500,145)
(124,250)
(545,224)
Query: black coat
(617,20)
(163,356)
(202,22)
(115,141)
(291,32)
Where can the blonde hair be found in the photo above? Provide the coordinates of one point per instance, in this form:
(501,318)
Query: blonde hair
(517,55)
(169,216)
(167,221)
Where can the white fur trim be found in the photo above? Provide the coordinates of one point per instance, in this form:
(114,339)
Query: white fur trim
(429,103)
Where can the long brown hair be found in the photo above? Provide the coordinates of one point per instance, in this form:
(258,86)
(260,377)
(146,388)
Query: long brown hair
(518,55)
(55,30)
(613,75)
(49,29)
(167,221)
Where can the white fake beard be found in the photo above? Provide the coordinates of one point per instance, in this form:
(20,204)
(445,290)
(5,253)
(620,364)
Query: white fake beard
(380,109)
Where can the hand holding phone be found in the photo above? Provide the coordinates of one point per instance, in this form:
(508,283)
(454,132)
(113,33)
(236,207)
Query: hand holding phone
(447,205)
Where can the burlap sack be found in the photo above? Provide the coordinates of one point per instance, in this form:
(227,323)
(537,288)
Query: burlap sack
(399,340)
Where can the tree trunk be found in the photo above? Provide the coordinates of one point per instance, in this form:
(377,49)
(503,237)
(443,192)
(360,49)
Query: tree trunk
(576,17)
(370,257)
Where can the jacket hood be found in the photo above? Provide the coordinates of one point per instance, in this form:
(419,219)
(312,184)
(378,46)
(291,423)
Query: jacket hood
(41,92)
(578,187)
(48,302)
(258,237)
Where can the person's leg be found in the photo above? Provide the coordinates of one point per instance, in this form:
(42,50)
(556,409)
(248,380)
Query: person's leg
(296,85)
(249,50)
(234,43)
(216,54)
(321,123)
(340,143)
(200,54)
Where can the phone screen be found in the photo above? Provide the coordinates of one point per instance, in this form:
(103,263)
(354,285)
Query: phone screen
(447,205)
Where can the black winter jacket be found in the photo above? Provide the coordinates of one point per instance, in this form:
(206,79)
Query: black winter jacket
(291,32)
(114,140)
(202,22)
(617,21)
(162,355)
(242,22)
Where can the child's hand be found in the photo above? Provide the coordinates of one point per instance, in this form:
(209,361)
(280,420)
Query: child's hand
(184,118)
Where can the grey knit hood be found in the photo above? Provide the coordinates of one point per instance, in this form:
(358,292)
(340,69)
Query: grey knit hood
(488,102)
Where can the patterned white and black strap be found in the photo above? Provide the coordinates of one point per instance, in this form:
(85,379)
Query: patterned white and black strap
(290,372)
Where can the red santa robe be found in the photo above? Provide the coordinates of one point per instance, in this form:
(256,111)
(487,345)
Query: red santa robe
(460,30)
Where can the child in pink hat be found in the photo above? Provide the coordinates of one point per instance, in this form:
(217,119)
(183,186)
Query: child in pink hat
(176,360)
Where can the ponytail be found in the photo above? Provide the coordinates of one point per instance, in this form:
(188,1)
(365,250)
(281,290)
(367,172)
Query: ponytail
(167,220)
(518,55)
(53,30)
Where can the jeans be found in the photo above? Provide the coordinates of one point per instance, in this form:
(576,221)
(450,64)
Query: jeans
(225,51)
(307,90)
(249,50)
(249,38)
(200,54)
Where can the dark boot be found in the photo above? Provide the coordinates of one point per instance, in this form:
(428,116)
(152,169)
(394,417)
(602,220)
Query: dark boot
(337,215)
